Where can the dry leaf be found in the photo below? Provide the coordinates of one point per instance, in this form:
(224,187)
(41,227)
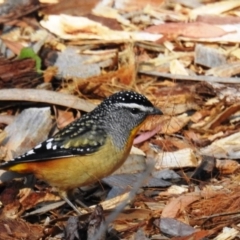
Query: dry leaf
(177,205)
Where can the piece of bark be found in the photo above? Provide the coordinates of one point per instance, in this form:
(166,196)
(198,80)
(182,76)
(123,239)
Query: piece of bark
(71,64)
(20,73)
(12,9)
(29,128)
(206,170)
(177,159)
(71,229)
(70,7)
(96,220)
(208,57)
(173,227)
(227,147)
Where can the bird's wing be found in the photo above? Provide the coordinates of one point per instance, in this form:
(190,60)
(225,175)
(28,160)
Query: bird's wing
(82,137)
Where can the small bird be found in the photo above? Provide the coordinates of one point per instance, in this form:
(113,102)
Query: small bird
(90,148)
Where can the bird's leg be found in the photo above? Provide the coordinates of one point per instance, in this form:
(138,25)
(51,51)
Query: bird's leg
(64,196)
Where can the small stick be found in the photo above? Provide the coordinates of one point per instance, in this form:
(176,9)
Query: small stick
(46,96)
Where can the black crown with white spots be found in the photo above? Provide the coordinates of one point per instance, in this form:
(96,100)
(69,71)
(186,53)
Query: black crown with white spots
(127,97)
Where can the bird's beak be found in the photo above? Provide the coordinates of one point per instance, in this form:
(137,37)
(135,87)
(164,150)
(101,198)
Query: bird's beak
(156,111)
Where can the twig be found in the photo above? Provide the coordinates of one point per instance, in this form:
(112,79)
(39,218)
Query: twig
(46,96)
(218,215)
(191,78)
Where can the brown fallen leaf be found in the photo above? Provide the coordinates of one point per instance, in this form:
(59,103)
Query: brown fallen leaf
(173,100)
(176,205)
(221,115)
(171,143)
(131,218)
(20,229)
(174,124)
(30,199)
(227,166)
(166,124)
(202,234)
(64,117)
(200,115)
(13,45)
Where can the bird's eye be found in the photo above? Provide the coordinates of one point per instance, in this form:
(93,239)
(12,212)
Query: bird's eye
(135,110)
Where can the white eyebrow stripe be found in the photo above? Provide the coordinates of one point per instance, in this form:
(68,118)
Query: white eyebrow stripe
(134,105)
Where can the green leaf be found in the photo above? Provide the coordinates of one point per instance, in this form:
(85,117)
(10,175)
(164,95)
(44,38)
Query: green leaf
(28,52)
